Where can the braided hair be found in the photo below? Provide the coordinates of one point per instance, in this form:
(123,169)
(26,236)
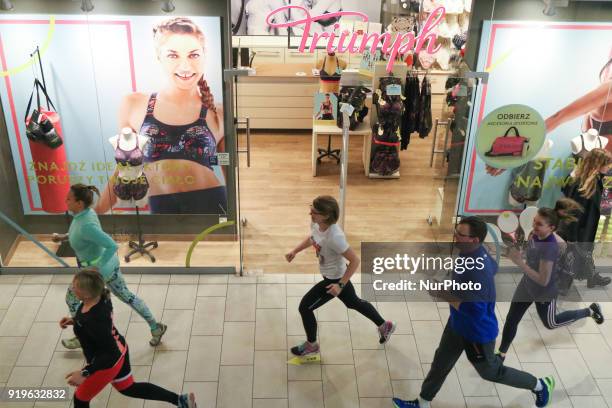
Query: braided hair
(184,25)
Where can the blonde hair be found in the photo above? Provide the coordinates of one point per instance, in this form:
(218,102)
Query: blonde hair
(184,25)
(91,282)
(569,208)
(587,172)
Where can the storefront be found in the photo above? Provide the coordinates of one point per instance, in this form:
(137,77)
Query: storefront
(247,198)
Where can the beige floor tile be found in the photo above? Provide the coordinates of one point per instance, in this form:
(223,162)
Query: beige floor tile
(302,278)
(241,280)
(271,329)
(513,397)
(403,358)
(208,316)
(154,295)
(398,313)
(203,359)
(20,316)
(9,351)
(137,337)
(213,279)
(374,403)
(168,371)
(24,377)
(591,402)
(205,393)
(101,400)
(238,343)
(340,386)
(11,279)
(240,304)
(36,279)
(528,344)
(406,389)
(182,279)
(179,329)
(235,387)
(574,372)
(66,279)
(557,338)
(596,354)
(605,386)
(332,311)
(560,397)
(270,403)
(270,374)
(141,374)
(40,345)
(305,372)
(471,383)
(372,373)
(271,296)
(482,402)
(306,394)
(427,335)
(423,311)
(132,278)
(272,278)
(152,279)
(335,341)
(181,297)
(450,395)
(39,290)
(297,289)
(2,313)
(295,326)
(61,364)
(53,307)
(363,332)
(212,290)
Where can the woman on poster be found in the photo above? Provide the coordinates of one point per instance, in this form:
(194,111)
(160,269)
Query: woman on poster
(184,125)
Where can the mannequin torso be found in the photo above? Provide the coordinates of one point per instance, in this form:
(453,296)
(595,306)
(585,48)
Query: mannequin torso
(586,142)
(330,68)
(128,141)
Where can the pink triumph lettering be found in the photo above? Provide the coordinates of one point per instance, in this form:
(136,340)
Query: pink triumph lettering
(402,44)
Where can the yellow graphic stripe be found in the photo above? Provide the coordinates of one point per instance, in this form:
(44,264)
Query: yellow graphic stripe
(32,60)
(499,61)
(201,236)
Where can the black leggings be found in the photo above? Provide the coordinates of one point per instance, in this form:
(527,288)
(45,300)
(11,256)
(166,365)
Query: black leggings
(146,391)
(318,296)
(546,310)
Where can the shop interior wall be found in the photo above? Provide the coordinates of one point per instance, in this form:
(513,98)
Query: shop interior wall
(158,224)
(482,10)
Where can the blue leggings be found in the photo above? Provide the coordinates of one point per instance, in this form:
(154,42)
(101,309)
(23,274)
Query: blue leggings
(116,284)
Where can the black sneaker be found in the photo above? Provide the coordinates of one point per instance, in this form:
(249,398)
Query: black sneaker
(596,313)
(598,280)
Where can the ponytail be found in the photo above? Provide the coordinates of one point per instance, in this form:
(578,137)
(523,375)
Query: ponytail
(567,210)
(84,193)
(206,95)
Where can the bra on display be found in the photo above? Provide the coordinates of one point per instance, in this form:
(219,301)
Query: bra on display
(131,158)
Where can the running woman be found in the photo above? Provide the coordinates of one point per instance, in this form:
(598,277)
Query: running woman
(539,282)
(95,248)
(106,352)
(472,326)
(332,249)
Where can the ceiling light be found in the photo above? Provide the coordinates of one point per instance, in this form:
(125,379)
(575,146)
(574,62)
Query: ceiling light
(87,5)
(7,5)
(168,6)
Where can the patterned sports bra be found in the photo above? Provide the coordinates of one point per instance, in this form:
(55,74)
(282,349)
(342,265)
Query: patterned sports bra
(193,141)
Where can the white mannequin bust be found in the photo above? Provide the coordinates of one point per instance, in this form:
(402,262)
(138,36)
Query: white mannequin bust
(543,154)
(592,140)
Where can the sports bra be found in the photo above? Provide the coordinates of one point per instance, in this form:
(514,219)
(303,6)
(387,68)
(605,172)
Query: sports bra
(583,151)
(194,141)
(324,76)
(327,107)
(132,158)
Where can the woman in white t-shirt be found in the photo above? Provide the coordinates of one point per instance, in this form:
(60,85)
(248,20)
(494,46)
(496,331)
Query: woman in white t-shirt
(333,251)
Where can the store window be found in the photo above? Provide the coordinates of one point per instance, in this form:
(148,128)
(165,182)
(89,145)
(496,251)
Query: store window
(123,104)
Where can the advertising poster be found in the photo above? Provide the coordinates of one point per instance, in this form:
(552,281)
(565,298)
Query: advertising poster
(325,108)
(249,16)
(558,72)
(134,108)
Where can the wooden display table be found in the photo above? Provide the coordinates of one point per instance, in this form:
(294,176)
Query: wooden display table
(362,130)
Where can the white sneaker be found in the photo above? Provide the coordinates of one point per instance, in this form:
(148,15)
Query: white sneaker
(71,344)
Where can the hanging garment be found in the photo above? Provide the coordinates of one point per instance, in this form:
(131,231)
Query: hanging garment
(411,101)
(386,133)
(424,120)
(527,181)
(356,97)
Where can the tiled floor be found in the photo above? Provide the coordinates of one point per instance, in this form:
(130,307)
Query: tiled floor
(228,342)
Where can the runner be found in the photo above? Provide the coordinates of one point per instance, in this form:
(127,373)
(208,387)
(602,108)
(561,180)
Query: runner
(332,249)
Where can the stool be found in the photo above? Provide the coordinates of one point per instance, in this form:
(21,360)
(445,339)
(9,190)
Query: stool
(334,154)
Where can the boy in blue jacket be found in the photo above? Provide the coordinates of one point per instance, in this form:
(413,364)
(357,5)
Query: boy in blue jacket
(472,325)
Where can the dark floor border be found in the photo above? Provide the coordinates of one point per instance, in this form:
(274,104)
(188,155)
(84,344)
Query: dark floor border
(132,270)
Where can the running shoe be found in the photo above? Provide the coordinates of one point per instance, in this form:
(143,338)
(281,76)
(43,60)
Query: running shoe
(71,344)
(385,331)
(596,313)
(399,403)
(544,396)
(187,401)
(157,334)
(305,349)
